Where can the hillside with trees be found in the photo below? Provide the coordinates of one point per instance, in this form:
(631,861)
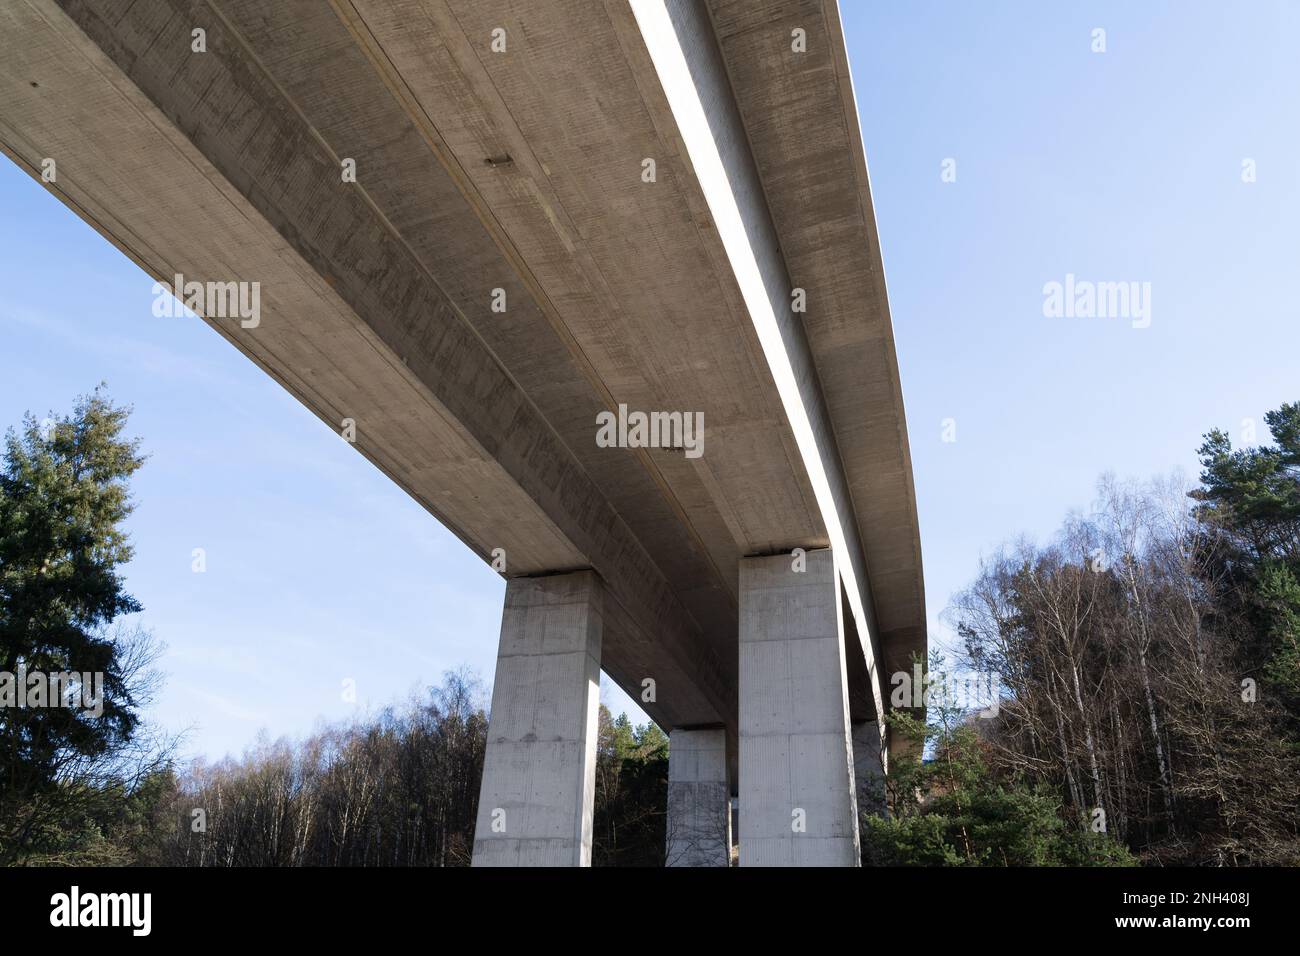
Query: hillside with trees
(398,789)
(1150,680)
(1148,660)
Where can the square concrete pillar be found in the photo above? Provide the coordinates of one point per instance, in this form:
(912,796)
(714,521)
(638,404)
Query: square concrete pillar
(868,768)
(798,806)
(698,831)
(539,770)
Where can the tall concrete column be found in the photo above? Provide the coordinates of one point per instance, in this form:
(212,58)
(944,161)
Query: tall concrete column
(698,831)
(539,771)
(868,768)
(798,806)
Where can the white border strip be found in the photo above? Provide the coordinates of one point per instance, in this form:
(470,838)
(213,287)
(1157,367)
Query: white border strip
(669,59)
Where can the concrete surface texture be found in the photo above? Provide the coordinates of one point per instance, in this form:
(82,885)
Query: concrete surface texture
(539,770)
(868,767)
(557,208)
(698,831)
(797,802)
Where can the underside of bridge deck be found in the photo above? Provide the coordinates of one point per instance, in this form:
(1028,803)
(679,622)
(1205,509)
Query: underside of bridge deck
(557,209)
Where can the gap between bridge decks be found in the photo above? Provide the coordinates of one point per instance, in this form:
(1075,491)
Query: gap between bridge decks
(672,64)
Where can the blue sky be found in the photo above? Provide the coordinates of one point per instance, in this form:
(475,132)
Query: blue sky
(1123,165)
(1117,166)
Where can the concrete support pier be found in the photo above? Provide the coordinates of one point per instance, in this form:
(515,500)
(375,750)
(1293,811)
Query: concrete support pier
(868,768)
(539,771)
(698,832)
(797,798)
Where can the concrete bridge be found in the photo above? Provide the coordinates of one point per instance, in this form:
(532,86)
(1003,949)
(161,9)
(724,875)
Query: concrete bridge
(479,227)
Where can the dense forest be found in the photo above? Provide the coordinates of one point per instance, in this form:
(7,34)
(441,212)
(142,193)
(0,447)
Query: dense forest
(397,790)
(1149,666)
(1148,660)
